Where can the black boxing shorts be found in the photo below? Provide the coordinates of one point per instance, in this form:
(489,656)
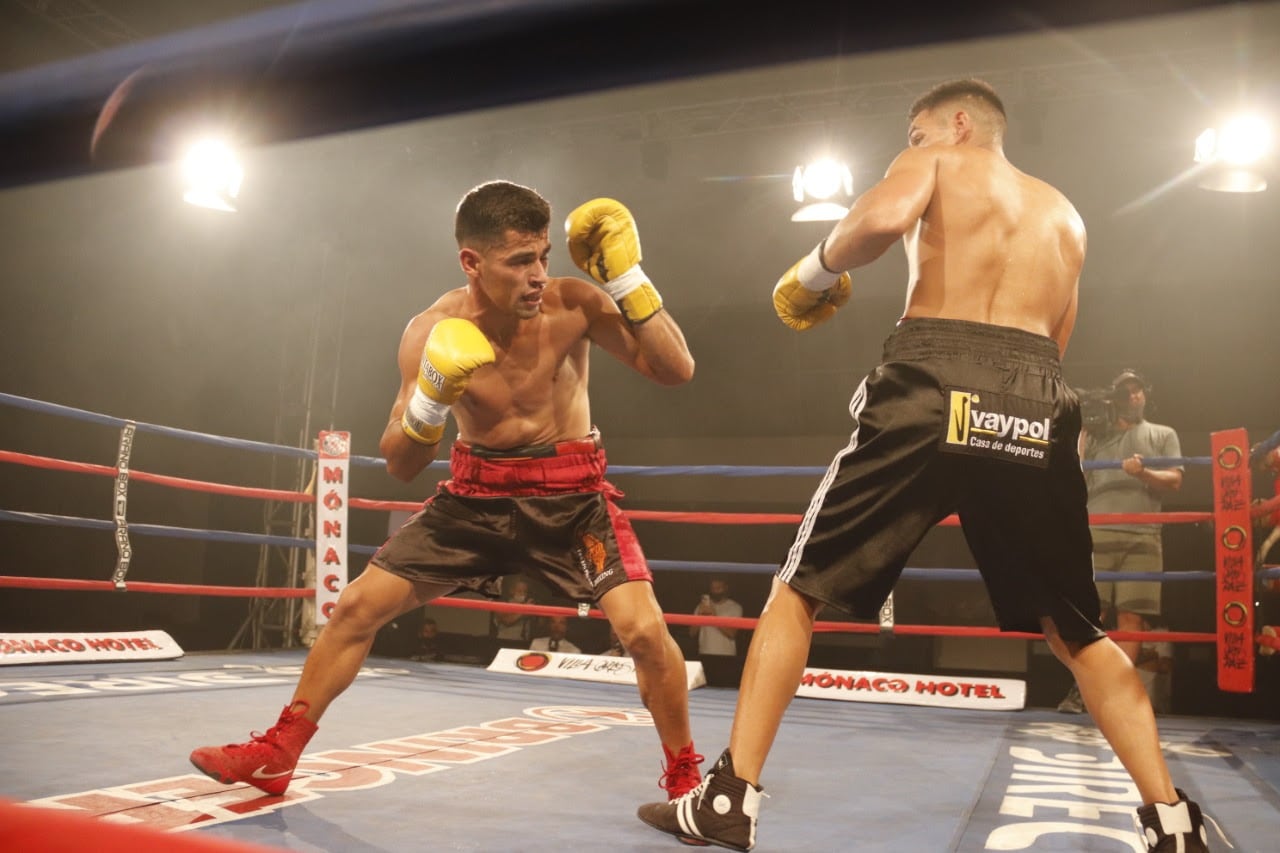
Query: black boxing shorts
(544,511)
(964,418)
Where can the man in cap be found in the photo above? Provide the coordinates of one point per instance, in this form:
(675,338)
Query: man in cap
(1133,487)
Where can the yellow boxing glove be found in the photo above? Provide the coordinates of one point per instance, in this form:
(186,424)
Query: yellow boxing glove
(604,243)
(809,293)
(455,349)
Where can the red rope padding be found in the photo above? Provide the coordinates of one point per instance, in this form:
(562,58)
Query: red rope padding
(169,588)
(32,461)
(682,517)
(160,479)
(744,623)
(633,515)
(949,521)
(55,464)
(1104,518)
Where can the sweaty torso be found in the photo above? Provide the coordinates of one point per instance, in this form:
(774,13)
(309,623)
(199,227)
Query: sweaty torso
(996,246)
(536,390)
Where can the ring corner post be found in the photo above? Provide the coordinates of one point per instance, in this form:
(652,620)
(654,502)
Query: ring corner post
(1233,560)
(332,480)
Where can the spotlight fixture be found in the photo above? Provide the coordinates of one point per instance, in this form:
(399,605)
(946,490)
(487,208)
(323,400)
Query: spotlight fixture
(213,174)
(1231,158)
(815,185)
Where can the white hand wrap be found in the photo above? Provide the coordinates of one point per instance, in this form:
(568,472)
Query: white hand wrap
(635,295)
(812,274)
(423,419)
(625,283)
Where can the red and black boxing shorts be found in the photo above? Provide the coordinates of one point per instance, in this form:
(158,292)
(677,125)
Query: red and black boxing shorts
(544,511)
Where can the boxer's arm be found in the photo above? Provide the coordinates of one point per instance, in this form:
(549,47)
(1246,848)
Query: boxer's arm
(655,348)
(1067,323)
(405,457)
(819,284)
(884,213)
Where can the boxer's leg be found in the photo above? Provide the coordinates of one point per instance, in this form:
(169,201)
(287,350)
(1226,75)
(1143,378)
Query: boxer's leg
(1118,703)
(633,611)
(366,604)
(770,678)
(268,760)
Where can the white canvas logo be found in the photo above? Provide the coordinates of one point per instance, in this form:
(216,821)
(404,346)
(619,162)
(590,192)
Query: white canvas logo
(191,801)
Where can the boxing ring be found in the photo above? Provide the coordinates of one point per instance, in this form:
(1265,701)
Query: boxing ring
(427,755)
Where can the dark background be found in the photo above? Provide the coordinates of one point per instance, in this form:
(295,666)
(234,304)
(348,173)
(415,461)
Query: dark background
(284,317)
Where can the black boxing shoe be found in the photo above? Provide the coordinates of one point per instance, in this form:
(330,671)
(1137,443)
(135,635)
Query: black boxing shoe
(1173,827)
(721,811)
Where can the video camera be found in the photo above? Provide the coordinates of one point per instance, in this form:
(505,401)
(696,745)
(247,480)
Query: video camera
(1097,410)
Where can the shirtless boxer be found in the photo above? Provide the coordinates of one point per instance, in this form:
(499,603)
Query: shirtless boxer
(507,354)
(967,413)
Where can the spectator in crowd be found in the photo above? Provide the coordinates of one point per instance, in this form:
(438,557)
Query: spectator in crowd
(514,630)
(428,647)
(718,644)
(554,640)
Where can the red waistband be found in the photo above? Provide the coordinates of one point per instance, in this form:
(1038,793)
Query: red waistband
(563,468)
(590,444)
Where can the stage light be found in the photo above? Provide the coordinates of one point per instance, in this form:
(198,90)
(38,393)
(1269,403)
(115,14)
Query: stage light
(815,184)
(1232,158)
(213,174)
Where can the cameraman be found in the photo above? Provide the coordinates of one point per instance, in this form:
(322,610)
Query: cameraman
(1129,438)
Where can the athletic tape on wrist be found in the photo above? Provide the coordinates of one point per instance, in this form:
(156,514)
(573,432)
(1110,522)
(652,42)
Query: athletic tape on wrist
(625,283)
(424,409)
(420,432)
(822,257)
(813,274)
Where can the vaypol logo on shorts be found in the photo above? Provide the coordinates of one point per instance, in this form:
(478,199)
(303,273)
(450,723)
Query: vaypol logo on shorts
(998,426)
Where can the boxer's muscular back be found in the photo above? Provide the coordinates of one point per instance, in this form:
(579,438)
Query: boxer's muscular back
(996,246)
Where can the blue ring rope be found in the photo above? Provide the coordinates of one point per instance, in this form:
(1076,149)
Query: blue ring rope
(638,470)
(710,567)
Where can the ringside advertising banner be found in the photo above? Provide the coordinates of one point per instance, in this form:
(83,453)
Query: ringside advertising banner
(895,688)
(615,670)
(66,647)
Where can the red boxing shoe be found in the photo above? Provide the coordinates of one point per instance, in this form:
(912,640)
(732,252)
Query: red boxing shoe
(266,762)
